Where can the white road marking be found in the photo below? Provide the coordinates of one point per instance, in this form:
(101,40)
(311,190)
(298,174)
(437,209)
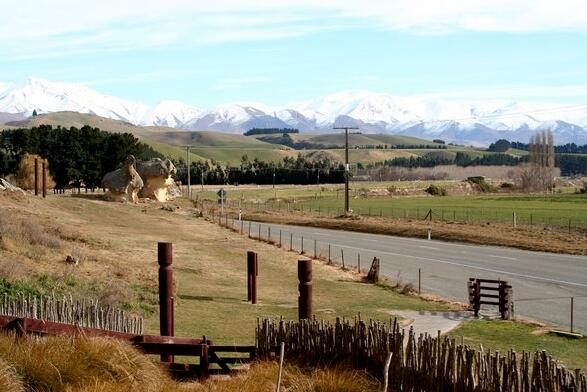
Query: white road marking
(428,247)
(471,247)
(471,266)
(504,257)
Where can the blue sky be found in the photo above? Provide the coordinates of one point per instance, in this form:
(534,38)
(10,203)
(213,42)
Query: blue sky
(277,52)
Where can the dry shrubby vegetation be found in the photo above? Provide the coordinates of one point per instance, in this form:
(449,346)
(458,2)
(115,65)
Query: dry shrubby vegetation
(66,364)
(25,176)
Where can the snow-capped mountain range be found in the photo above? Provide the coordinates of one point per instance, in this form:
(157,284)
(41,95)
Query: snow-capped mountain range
(467,122)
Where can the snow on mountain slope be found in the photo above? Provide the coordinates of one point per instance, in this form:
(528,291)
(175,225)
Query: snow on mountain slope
(170,114)
(471,122)
(236,117)
(44,96)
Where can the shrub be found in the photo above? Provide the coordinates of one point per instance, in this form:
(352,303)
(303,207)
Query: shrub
(25,176)
(435,190)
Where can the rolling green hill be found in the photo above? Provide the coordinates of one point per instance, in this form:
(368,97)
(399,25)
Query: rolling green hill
(337,139)
(229,148)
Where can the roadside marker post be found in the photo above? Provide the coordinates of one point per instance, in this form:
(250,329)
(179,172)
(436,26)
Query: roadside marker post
(572,312)
(429,234)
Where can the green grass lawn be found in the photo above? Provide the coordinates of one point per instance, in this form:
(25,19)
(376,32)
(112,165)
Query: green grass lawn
(233,155)
(503,335)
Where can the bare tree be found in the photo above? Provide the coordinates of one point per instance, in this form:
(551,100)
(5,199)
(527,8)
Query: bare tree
(540,172)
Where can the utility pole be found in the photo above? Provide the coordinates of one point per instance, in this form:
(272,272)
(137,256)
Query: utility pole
(187,152)
(346,167)
(274,192)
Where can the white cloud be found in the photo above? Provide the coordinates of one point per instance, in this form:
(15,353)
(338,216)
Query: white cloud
(56,27)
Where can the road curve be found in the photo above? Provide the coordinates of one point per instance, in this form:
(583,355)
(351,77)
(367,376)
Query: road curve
(543,283)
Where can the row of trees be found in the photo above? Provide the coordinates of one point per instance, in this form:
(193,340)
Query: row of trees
(75,155)
(502,145)
(289,171)
(269,131)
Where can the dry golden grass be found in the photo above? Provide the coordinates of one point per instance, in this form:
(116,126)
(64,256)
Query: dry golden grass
(25,176)
(74,364)
(80,364)
(493,234)
(263,378)
(9,379)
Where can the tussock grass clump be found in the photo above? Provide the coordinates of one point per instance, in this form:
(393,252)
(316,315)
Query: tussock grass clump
(80,364)
(262,377)
(9,379)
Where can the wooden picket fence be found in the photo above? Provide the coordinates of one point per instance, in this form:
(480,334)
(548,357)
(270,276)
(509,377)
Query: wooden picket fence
(423,363)
(85,314)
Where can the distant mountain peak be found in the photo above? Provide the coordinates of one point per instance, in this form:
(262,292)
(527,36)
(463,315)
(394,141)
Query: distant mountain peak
(468,122)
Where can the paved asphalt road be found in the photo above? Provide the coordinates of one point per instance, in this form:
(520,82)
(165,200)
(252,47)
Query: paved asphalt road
(543,283)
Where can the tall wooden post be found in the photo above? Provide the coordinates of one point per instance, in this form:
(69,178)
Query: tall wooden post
(36,176)
(252,272)
(305,289)
(165,259)
(44,180)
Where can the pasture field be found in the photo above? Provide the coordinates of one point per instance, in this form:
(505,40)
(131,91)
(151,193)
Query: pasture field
(558,210)
(561,210)
(233,155)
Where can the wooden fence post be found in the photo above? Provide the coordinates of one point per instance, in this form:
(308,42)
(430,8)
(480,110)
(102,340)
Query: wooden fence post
(329,259)
(305,289)
(166,324)
(252,272)
(36,176)
(44,179)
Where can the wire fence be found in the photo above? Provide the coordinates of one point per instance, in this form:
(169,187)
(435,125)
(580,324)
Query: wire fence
(514,218)
(568,311)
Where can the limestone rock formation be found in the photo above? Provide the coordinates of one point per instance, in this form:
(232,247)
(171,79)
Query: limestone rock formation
(5,186)
(157,176)
(125,183)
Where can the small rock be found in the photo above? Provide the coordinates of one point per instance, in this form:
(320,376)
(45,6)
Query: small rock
(72,260)
(170,207)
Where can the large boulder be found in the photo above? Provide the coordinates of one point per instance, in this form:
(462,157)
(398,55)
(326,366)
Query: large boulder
(7,187)
(125,183)
(157,177)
